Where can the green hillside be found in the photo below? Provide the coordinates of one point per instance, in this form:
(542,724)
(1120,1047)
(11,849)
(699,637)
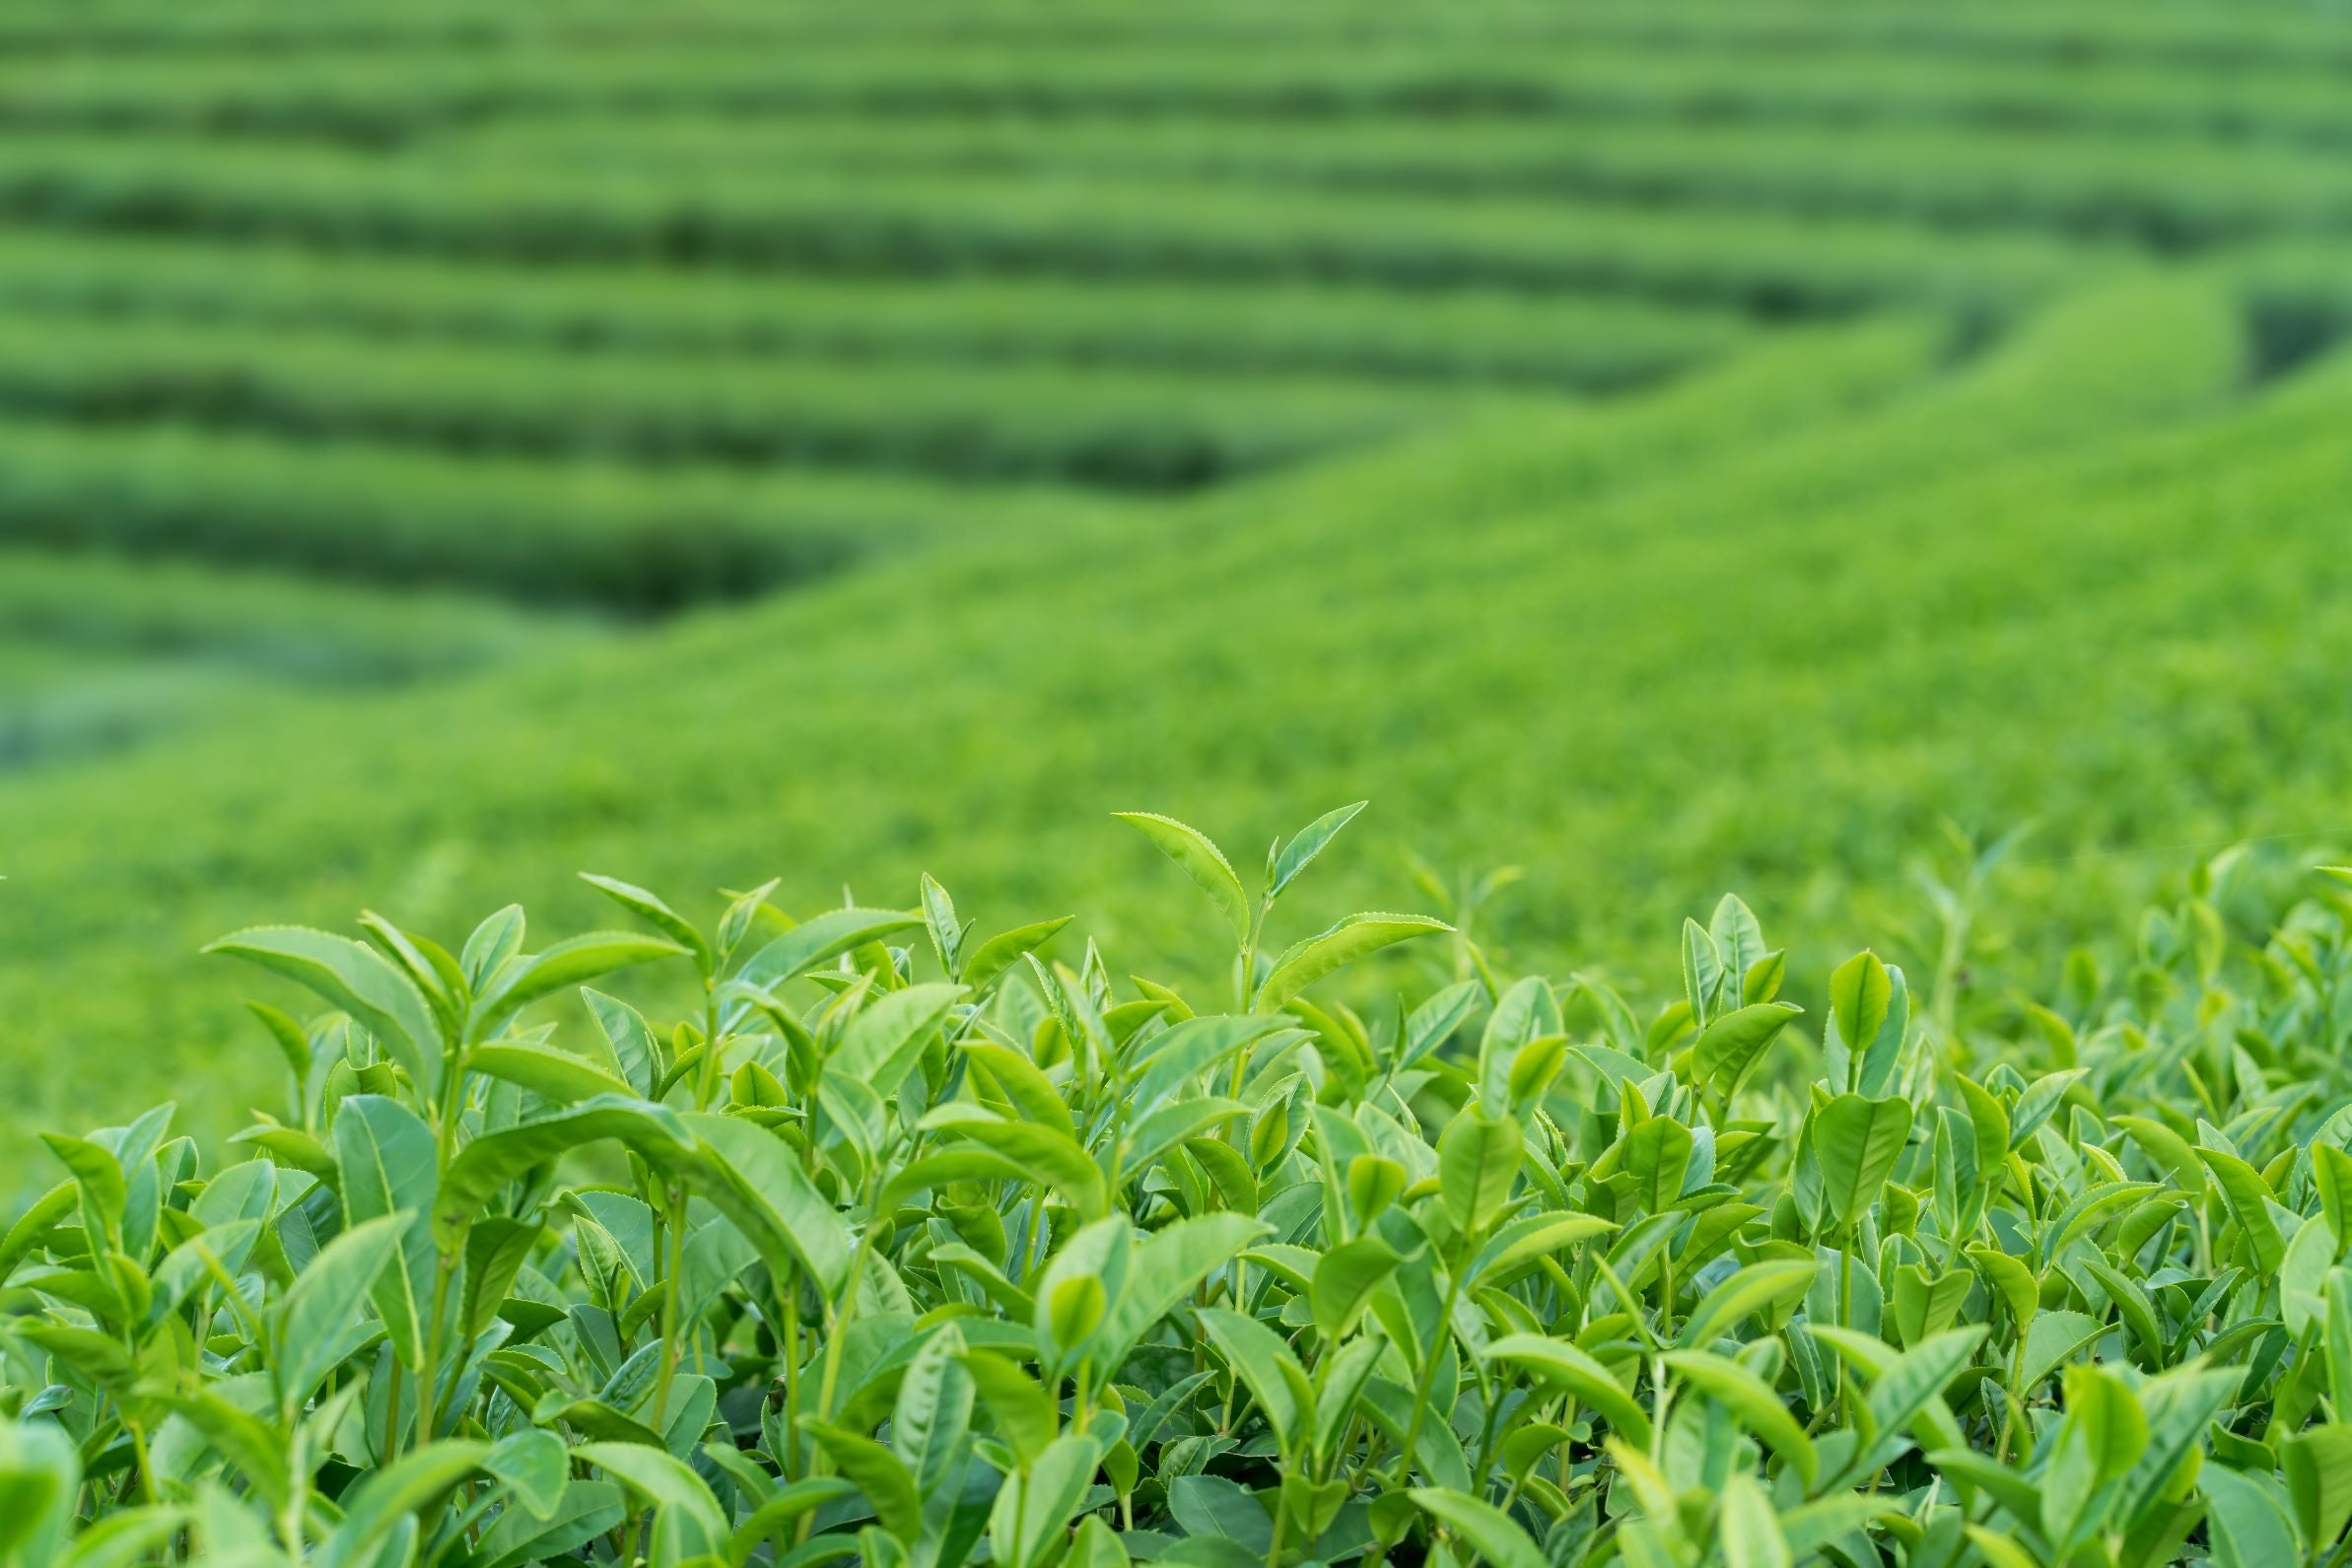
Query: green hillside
(1674,448)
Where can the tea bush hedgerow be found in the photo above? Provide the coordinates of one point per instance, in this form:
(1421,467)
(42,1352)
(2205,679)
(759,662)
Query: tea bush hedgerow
(1015,1265)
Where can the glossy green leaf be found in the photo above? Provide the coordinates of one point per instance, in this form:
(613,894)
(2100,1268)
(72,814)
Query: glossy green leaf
(1335,948)
(1201,860)
(389,1158)
(1859,1141)
(357,978)
(1487,1529)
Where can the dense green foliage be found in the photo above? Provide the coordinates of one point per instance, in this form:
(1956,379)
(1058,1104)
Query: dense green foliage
(1680,444)
(922,1247)
(1676,445)
(1912,641)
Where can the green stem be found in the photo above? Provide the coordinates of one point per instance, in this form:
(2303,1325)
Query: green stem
(1846,1311)
(1246,983)
(673,1269)
(445,1148)
(1665,1294)
(139,1455)
(706,1088)
(1428,1372)
(789,1347)
(428,1392)
(391,1415)
(1661,1397)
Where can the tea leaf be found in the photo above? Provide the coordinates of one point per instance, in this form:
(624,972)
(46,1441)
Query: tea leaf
(1306,962)
(1201,860)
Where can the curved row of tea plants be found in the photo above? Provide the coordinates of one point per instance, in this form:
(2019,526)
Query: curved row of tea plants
(1060,59)
(919,1247)
(1101,425)
(592,535)
(1595,342)
(2173,189)
(823,220)
(1990,29)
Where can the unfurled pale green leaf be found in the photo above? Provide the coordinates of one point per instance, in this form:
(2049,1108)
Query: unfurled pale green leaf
(886,1039)
(1477,1162)
(1344,1279)
(2101,1437)
(1222,1515)
(534,1465)
(1902,1388)
(657,1477)
(388,1157)
(754,1179)
(492,1161)
(1656,1157)
(1729,1048)
(386,1500)
(1533,1236)
(1759,1287)
(2331,1177)
(1166,1267)
(306,1328)
(2249,1197)
(2247,1519)
(1185,1052)
(1020,1082)
(1861,996)
(1076,1288)
(1858,1141)
(633,1049)
(888,1488)
(1488,1529)
(934,1412)
(1032,1510)
(553,1075)
(1702,972)
(1749,1529)
(1021,1412)
(1308,843)
(1563,1365)
(2053,1337)
(99,1179)
(817,939)
(357,978)
(649,907)
(575,960)
(1308,961)
(2317,1465)
(1752,1403)
(987,961)
(589,1508)
(1038,1151)
(1201,860)
(2178,1405)
(495,939)
(1258,1357)
(40,1475)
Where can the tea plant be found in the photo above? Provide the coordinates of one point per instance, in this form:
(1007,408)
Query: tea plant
(923,1249)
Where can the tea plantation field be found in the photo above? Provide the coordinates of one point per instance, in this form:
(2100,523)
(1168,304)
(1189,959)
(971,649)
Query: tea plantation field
(1663,448)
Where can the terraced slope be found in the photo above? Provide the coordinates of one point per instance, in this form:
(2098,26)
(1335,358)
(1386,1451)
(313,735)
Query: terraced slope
(863,432)
(1814,599)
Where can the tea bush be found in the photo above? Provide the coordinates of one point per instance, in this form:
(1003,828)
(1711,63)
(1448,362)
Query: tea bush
(1358,626)
(1123,429)
(921,1249)
(1562,341)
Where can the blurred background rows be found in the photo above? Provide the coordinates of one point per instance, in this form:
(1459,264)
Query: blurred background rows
(442,443)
